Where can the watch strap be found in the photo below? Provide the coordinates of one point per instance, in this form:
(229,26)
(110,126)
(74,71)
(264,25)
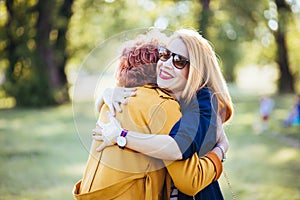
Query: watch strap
(124,133)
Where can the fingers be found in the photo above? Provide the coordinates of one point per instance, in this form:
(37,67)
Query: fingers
(122,93)
(98,137)
(124,101)
(110,116)
(100,124)
(129,93)
(101,147)
(112,97)
(117,106)
(112,107)
(226,145)
(221,137)
(96,131)
(128,90)
(224,141)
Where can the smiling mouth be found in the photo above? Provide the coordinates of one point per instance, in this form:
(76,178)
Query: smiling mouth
(165,75)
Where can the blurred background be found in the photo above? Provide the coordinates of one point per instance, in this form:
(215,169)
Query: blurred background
(43,45)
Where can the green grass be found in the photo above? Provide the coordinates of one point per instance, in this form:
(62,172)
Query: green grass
(41,155)
(259,165)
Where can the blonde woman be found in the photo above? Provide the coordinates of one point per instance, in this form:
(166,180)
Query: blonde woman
(189,70)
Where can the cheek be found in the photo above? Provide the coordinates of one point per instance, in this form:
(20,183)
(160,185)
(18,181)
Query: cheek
(159,63)
(186,72)
(183,73)
(158,66)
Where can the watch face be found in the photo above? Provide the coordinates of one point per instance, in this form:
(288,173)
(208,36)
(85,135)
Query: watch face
(121,141)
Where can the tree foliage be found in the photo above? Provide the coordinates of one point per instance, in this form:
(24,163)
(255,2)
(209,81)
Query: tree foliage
(42,40)
(234,23)
(34,50)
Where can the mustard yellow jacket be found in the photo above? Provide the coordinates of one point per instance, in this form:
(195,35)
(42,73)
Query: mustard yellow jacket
(121,174)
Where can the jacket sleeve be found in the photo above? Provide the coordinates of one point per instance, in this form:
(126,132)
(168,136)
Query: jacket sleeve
(194,174)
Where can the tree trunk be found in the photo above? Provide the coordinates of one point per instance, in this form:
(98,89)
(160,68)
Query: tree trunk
(45,50)
(53,54)
(286,80)
(65,13)
(204,17)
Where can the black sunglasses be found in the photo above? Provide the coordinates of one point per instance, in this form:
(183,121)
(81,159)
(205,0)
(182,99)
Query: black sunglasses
(179,61)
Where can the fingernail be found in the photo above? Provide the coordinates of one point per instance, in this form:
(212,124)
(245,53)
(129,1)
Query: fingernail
(109,114)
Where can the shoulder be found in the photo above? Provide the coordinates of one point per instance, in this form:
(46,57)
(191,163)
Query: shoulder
(158,109)
(207,96)
(152,94)
(204,96)
(153,97)
(204,93)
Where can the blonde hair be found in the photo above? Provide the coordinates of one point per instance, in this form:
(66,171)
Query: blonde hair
(204,71)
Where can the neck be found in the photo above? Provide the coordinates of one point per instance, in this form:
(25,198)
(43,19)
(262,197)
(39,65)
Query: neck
(176,95)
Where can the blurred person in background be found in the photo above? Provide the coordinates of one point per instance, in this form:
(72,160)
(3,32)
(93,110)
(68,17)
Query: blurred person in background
(293,118)
(266,106)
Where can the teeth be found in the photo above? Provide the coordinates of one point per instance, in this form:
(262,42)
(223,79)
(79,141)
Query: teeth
(166,74)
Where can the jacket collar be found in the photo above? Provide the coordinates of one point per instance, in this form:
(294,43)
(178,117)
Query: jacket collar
(163,93)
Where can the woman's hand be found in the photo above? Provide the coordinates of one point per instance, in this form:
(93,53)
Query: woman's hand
(222,145)
(223,140)
(107,132)
(113,97)
(221,135)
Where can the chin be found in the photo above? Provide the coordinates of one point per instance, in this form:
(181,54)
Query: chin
(162,83)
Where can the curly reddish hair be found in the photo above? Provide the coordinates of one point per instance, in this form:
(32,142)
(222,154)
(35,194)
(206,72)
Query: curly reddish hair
(138,65)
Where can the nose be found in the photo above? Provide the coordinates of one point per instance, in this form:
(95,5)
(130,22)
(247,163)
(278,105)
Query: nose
(168,63)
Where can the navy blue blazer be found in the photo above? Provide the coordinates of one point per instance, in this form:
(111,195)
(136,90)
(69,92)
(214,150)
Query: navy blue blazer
(196,132)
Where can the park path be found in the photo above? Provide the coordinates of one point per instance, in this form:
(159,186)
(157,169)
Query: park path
(285,139)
